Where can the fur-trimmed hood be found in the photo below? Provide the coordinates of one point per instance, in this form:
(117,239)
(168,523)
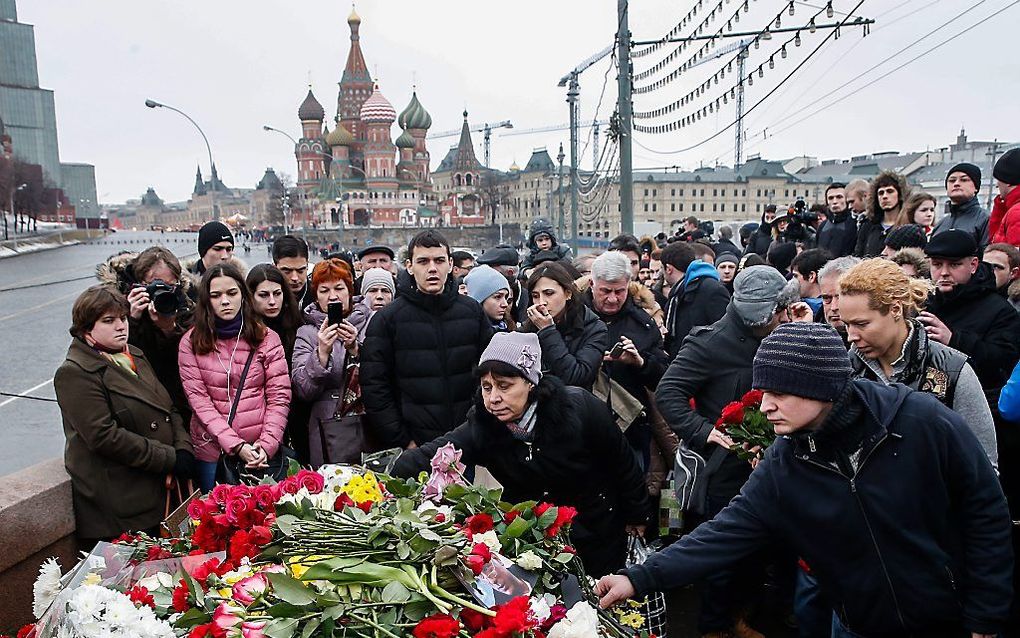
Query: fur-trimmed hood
(118,270)
(189,268)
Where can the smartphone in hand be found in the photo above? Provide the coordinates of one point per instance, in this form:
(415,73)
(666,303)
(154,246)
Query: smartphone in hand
(335,312)
(617,350)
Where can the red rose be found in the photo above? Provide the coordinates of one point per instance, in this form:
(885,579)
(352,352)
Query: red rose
(752,399)
(311,481)
(511,516)
(733,413)
(180,597)
(289,485)
(265,497)
(480,523)
(140,596)
(556,613)
(541,508)
(219,494)
(437,626)
(480,555)
(28,631)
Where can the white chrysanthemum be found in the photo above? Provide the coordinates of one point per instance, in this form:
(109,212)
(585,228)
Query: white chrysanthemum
(46,587)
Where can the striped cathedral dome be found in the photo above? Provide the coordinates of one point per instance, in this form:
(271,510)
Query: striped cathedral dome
(377,108)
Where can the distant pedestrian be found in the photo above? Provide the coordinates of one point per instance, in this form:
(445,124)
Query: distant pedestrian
(1005,221)
(838,233)
(963,182)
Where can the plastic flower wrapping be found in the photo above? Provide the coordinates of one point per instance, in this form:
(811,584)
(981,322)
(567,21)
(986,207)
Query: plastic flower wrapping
(340,551)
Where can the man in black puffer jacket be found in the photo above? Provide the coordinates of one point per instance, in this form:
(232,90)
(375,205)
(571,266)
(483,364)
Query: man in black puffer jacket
(883,491)
(838,233)
(967,313)
(420,350)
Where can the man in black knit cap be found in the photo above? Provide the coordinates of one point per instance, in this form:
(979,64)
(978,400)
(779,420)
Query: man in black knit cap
(883,491)
(963,182)
(215,245)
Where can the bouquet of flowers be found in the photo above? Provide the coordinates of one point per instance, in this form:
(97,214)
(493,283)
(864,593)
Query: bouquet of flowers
(342,551)
(744,422)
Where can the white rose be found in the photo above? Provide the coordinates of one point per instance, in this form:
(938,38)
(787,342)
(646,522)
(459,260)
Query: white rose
(491,539)
(530,561)
(540,609)
(582,621)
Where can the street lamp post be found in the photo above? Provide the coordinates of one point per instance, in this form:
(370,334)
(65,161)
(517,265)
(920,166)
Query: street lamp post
(301,191)
(154,104)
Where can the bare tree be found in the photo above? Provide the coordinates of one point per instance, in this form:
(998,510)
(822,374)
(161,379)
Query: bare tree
(495,191)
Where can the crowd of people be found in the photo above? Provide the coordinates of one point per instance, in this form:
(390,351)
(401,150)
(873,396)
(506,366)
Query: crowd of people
(884,340)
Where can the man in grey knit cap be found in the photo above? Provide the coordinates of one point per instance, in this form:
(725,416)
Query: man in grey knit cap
(883,491)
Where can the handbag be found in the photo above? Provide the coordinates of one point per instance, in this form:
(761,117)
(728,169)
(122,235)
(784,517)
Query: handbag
(231,468)
(342,437)
(625,408)
(652,606)
(691,473)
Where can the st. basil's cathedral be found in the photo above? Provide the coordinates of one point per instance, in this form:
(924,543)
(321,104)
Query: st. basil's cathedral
(381,181)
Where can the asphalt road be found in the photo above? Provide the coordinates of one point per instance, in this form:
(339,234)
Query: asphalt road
(34,318)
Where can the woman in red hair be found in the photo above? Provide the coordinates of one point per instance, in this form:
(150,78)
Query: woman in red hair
(324,366)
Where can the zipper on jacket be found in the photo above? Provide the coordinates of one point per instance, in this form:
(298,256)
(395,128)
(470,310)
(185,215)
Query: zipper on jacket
(438,324)
(528,457)
(867,522)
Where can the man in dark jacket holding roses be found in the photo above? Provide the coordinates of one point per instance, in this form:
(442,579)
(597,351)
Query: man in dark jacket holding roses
(883,491)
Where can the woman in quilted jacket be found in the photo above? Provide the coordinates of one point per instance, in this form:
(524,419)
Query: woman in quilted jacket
(212,357)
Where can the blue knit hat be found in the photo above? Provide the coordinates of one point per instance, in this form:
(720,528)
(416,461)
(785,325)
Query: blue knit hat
(483,281)
(804,359)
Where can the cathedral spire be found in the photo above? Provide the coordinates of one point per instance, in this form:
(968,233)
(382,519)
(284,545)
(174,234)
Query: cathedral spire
(466,159)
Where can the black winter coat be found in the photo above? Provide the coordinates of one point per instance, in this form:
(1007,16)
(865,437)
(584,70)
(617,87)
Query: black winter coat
(701,302)
(984,325)
(417,363)
(578,458)
(714,368)
(635,324)
(759,241)
(914,542)
(838,234)
(573,350)
(870,239)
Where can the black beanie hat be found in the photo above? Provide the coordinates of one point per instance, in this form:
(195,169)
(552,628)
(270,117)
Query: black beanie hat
(781,255)
(211,234)
(952,244)
(1007,169)
(803,359)
(968,169)
(908,236)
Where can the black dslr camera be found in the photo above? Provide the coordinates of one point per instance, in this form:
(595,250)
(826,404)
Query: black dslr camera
(165,297)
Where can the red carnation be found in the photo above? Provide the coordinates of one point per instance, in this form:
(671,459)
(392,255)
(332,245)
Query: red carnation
(180,597)
(513,617)
(480,523)
(155,552)
(474,620)
(437,626)
(140,596)
(480,556)
(28,631)
(752,399)
(343,501)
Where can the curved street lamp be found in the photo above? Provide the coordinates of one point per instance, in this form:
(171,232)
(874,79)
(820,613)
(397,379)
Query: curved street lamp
(152,104)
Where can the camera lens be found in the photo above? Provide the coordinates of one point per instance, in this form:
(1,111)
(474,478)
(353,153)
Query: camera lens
(165,302)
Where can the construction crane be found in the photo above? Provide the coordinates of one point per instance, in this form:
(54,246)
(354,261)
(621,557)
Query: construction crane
(595,124)
(486,129)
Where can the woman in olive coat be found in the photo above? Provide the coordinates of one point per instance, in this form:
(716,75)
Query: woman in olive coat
(123,434)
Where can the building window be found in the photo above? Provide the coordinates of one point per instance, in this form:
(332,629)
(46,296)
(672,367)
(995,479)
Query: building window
(646,192)
(702,192)
(714,209)
(702,208)
(653,208)
(646,208)
(759,192)
(681,207)
(787,191)
(743,193)
(672,192)
(743,208)
(715,192)
(653,192)
(723,208)
(681,192)
(672,208)
(757,208)
(468,179)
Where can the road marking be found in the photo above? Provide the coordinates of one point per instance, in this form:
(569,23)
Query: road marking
(28,391)
(41,306)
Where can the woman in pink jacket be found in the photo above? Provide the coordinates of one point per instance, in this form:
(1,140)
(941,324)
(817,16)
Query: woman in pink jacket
(212,356)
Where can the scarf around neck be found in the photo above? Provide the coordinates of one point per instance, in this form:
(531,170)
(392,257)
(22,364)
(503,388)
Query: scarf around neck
(229,329)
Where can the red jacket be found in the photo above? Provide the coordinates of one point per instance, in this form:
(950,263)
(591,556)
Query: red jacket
(1004,225)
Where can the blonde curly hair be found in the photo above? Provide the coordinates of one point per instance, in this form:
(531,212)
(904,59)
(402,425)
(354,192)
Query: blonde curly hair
(886,285)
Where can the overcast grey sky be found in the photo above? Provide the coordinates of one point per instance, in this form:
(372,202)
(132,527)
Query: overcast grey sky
(235,65)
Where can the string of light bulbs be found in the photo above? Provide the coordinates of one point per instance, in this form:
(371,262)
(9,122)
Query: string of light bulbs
(728,94)
(697,31)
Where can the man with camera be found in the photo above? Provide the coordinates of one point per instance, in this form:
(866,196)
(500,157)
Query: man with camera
(161,311)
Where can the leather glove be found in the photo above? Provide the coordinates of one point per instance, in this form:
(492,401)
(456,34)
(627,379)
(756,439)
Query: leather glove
(184,466)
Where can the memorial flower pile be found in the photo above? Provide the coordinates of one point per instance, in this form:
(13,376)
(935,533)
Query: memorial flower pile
(342,551)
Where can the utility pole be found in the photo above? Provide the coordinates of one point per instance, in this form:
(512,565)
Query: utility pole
(738,157)
(993,155)
(624,105)
(559,196)
(572,94)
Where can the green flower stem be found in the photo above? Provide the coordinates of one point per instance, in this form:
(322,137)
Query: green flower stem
(373,624)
